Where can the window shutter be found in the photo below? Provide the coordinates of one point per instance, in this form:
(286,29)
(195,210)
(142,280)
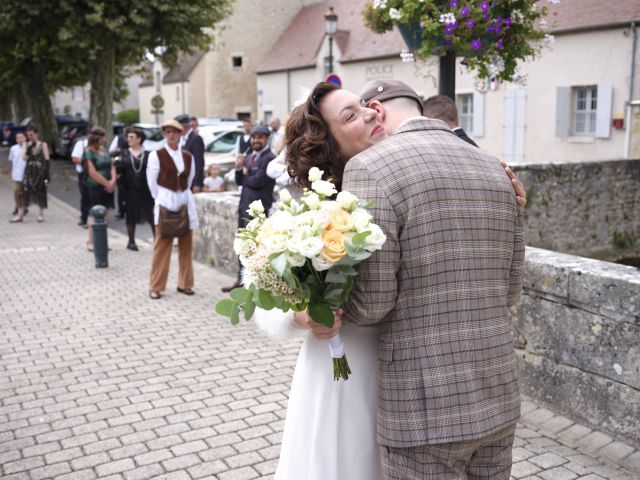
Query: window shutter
(603,111)
(509,126)
(520,124)
(478,114)
(563,109)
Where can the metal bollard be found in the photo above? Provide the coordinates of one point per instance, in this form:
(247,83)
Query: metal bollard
(100,245)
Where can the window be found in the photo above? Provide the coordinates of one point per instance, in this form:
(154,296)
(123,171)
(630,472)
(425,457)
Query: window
(268,116)
(77,94)
(224,143)
(585,105)
(236,62)
(465,109)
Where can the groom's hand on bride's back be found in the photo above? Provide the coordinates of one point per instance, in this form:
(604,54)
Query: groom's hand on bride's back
(521,194)
(320,332)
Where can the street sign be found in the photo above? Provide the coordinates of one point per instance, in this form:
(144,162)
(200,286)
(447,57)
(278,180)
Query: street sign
(335,79)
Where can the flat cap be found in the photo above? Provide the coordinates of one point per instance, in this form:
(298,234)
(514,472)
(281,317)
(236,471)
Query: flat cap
(183,118)
(382,90)
(171,123)
(260,130)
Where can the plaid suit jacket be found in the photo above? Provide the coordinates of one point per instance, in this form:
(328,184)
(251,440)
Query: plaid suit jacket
(441,285)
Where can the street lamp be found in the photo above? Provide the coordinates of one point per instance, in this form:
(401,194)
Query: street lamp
(330,28)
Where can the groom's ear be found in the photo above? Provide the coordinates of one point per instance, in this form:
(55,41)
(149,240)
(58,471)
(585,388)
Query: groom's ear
(377,106)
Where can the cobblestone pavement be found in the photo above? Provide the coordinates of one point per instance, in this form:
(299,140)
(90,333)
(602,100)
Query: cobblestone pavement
(99,381)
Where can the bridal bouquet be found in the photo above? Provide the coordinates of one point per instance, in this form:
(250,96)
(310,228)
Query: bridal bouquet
(302,257)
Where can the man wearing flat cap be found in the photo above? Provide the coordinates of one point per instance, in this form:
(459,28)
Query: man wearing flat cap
(440,291)
(194,144)
(251,175)
(170,172)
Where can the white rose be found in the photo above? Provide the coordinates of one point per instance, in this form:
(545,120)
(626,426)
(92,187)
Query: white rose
(347,201)
(375,239)
(282,221)
(321,263)
(323,187)
(315,174)
(296,260)
(237,246)
(312,200)
(321,219)
(329,205)
(285,196)
(255,208)
(275,243)
(361,219)
(310,247)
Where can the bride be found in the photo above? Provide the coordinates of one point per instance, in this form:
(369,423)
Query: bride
(330,428)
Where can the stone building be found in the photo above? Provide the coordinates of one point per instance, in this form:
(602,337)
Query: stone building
(570,107)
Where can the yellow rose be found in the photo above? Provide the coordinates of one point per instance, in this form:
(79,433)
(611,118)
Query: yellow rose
(334,248)
(340,221)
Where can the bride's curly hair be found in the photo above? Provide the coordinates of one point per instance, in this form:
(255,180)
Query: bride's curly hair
(309,141)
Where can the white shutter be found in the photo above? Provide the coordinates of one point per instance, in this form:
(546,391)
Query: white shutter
(478,114)
(563,111)
(603,111)
(509,125)
(520,124)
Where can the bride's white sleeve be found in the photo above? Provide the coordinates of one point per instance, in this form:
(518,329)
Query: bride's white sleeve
(277,324)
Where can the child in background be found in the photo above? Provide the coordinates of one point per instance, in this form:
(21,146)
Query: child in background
(214,182)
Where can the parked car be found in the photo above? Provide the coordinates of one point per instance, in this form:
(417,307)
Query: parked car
(220,149)
(154,139)
(9,130)
(68,135)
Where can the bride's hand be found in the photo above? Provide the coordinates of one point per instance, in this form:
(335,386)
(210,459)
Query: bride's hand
(320,332)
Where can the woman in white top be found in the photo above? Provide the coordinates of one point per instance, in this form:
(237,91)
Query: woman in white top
(170,172)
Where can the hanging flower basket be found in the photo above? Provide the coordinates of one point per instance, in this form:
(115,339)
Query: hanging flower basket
(492,36)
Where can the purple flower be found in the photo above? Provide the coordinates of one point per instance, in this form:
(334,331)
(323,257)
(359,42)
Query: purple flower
(500,44)
(494,28)
(476,44)
(507,22)
(499,19)
(470,24)
(453,4)
(464,62)
(486,16)
(464,12)
(448,41)
(485,6)
(448,29)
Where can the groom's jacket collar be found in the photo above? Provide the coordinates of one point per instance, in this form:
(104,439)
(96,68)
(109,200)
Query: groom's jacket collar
(422,123)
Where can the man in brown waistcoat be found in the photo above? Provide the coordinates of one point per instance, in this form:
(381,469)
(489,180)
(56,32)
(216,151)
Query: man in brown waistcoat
(170,173)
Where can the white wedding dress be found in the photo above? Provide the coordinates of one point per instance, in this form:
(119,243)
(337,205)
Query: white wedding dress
(330,429)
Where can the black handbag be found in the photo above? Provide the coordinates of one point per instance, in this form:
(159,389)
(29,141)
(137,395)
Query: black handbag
(173,224)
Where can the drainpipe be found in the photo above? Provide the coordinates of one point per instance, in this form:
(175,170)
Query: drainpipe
(630,102)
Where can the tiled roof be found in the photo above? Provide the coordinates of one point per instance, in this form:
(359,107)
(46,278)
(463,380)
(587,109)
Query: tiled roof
(298,46)
(182,70)
(568,15)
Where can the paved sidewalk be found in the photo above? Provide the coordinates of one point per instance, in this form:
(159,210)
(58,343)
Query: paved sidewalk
(99,381)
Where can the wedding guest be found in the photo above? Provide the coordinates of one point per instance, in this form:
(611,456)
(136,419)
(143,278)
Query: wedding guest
(36,175)
(17,169)
(276,142)
(101,176)
(170,172)
(76,158)
(214,182)
(194,125)
(133,169)
(193,143)
(119,145)
(443,108)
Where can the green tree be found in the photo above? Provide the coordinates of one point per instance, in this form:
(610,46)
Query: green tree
(116,34)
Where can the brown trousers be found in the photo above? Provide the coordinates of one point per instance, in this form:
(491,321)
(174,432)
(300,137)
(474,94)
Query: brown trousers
(17,193)
(487,458)
(162,256)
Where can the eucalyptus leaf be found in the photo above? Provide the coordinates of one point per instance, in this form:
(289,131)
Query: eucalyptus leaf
(235,315)
(224,307)
(321,313)
(249,309)
(240,295)
(265,302)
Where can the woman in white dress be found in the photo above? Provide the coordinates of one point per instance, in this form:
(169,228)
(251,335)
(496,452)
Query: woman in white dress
(330,429)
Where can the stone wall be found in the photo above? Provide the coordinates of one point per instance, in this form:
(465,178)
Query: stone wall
(590,209)
(213,241)
(576,332)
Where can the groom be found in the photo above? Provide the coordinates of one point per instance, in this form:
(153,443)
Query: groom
(440,288)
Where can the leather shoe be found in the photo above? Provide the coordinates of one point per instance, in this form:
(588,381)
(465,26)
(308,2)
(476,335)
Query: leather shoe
(186,291)
(132,246)
(154,295)
(232,287)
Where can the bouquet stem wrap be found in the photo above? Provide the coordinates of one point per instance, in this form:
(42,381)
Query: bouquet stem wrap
(340,364)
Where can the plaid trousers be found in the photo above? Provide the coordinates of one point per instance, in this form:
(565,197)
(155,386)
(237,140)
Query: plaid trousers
(485,458)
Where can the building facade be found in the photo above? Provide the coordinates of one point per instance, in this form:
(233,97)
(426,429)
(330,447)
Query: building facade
(569,107)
